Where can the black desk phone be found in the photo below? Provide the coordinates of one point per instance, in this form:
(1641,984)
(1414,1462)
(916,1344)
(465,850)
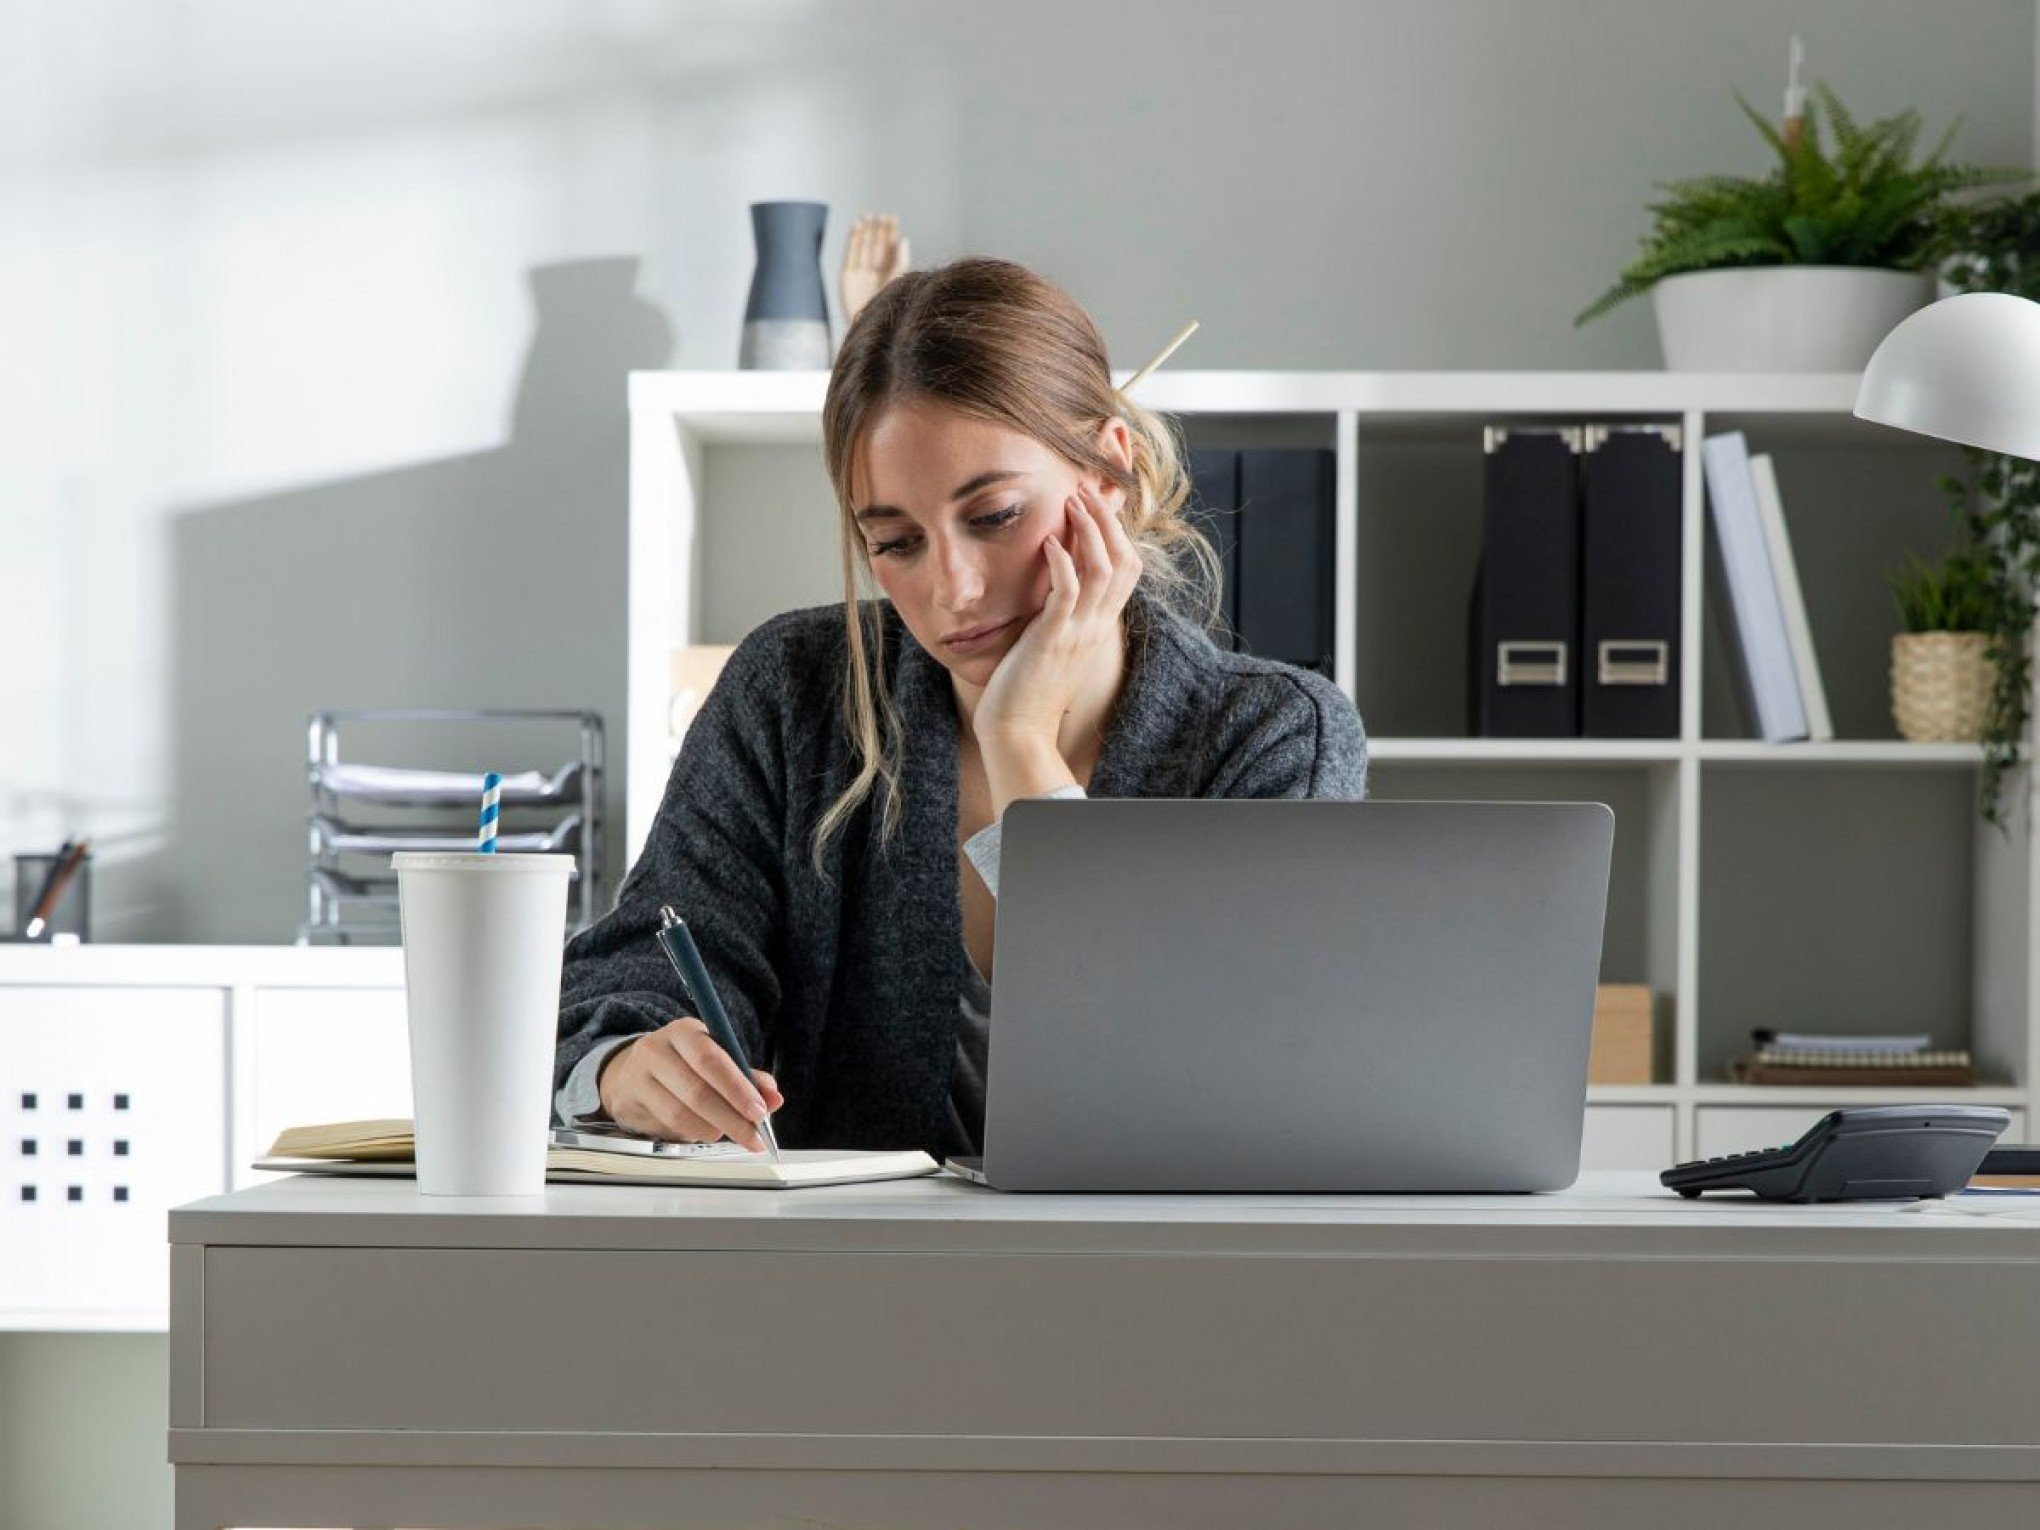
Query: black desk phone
(1863,1152)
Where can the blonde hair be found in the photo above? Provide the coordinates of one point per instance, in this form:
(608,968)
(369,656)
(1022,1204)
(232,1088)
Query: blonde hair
(993,340)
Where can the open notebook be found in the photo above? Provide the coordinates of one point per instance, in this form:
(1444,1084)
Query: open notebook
(385,1147)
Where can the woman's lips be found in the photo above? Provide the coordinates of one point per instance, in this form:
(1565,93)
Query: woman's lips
(961,645)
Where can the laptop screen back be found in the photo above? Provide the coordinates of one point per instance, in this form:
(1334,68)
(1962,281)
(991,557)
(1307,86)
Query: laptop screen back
(1294,995)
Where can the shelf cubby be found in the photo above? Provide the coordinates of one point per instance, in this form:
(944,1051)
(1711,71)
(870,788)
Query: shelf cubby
(1855,502)
(1836,899)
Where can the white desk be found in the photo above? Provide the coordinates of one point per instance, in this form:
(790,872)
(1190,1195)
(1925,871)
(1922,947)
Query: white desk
(925,1353)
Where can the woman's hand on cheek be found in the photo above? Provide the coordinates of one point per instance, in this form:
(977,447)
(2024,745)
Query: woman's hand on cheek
(1090,581)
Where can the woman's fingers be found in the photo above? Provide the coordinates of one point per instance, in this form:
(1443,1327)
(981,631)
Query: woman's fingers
(1114,562)
(694,1106)
(1064,580)
(726,1097)
(718,1069)
(655,1111)
(1079,551)
(699,1093)
(1098,561)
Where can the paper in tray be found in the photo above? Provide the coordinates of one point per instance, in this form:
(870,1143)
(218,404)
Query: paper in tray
(333,834)
(441,788)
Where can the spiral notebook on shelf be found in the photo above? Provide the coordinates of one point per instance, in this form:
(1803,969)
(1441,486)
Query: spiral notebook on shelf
(1774,1064)
(386,1148)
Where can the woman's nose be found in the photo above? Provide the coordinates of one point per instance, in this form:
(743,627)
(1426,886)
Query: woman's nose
(959,576)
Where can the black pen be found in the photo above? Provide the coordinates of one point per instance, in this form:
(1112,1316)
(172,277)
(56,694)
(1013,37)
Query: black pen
(678,944)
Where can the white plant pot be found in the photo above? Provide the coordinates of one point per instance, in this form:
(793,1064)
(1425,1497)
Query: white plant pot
(1782,318)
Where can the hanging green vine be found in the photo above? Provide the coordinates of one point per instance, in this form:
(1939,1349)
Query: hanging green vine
(1995,247)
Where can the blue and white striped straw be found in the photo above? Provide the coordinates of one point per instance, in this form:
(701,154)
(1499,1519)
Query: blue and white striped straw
(492,797)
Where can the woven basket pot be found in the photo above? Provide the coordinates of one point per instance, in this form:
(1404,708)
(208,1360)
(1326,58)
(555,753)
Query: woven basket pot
(1940,686)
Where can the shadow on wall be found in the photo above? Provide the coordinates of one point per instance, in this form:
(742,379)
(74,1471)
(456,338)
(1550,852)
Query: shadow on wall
(496,579)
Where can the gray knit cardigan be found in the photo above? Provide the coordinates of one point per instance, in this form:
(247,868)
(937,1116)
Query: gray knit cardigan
(844,985)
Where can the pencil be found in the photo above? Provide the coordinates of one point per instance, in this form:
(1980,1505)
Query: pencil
(68,860)
(1167,351)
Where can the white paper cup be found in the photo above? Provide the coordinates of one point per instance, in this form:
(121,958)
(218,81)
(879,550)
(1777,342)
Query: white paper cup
(483,936)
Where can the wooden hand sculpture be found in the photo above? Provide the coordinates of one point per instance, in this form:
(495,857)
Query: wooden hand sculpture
(874,255)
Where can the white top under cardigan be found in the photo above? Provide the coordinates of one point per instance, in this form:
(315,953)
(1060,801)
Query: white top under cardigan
(579,1097)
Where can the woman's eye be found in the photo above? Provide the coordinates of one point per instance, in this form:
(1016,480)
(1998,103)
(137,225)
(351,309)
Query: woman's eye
(990,522)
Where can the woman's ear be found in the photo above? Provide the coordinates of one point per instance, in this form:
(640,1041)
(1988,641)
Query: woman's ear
(1115,440)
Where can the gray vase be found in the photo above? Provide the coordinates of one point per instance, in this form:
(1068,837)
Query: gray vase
(786,321)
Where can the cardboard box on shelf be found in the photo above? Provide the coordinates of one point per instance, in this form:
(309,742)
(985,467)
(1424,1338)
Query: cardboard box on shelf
(1621,1050)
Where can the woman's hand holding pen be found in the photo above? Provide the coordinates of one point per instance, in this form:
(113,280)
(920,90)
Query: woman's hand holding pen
(677,1083)
(1092,570)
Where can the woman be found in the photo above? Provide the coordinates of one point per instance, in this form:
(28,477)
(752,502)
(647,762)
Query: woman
(1024,521)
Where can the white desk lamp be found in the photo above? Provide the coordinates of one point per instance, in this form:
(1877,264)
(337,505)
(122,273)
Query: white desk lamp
(1965,369)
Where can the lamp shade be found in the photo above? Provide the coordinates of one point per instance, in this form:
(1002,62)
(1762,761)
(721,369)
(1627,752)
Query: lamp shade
(1965,369)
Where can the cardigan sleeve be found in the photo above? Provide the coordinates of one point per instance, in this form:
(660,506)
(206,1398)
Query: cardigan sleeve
(714,853)
(1305,741)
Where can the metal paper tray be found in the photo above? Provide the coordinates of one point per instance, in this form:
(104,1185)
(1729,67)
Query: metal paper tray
(399,786)
(334,835)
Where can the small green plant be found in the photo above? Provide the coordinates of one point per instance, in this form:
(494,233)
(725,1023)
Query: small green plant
(1868,205)
(1956,597)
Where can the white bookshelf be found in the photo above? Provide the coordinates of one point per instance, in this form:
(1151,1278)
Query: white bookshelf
(1919,896)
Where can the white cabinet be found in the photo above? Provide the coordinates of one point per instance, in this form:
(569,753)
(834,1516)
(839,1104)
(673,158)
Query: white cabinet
(1628,1137)
(136,1078)
(115,1110)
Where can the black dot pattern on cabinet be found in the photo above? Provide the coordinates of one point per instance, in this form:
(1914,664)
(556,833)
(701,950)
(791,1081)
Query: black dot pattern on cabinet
(87,1154)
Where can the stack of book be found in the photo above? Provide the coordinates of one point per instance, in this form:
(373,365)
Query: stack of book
(1777,671)
(1786,1057)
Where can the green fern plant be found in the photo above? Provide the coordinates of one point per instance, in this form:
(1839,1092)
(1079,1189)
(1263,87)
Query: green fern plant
(1956,597)
(1867,205)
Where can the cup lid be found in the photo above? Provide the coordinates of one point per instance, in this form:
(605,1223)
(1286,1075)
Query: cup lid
(475,860)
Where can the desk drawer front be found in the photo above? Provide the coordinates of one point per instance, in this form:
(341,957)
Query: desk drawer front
(1193,1346)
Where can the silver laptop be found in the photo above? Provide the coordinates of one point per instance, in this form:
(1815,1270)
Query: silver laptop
(1293,996)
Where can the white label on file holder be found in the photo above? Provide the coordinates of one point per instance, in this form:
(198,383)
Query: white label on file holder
(1634,661)
(1530,663)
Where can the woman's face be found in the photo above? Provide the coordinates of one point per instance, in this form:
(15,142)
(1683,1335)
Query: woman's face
(953,513)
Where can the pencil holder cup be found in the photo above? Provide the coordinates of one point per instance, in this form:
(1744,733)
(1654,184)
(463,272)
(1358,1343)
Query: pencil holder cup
(71,916)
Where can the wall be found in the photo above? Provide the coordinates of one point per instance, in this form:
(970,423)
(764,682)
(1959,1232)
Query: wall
(82,1425)
(317,316)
